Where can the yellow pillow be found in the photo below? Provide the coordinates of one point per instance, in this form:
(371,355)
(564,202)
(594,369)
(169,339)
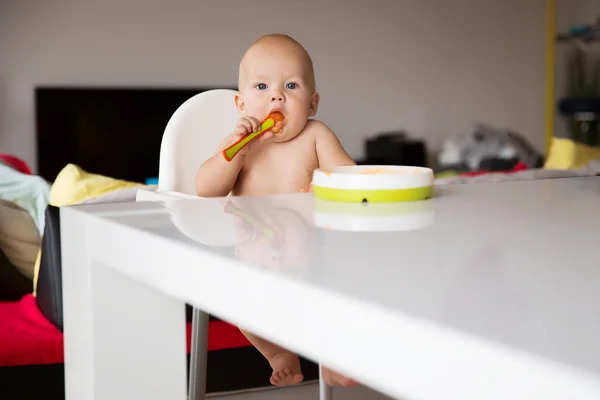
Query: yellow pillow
(569,154)
(74,185)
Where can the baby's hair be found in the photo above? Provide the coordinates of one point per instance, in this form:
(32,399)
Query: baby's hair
(277,36)
(282,36)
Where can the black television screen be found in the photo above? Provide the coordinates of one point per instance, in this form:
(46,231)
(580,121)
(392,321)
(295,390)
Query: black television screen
(108,131)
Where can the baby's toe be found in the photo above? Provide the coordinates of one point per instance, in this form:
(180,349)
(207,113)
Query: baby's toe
(279,378)
(298,378)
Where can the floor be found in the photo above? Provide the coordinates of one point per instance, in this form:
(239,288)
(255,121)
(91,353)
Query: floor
(306,392)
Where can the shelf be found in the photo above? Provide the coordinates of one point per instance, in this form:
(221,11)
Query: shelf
(593,37)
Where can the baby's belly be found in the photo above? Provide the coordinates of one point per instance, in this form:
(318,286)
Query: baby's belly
(273,182)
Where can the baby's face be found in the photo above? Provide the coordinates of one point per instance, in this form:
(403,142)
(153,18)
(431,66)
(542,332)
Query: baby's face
(278,77)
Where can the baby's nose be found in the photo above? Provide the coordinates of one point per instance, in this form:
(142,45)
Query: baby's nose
(277,97)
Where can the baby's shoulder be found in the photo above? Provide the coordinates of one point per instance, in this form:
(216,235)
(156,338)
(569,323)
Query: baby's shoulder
(327,146)
(316,129)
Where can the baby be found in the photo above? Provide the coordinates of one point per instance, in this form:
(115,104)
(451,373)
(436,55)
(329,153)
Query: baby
(275,74)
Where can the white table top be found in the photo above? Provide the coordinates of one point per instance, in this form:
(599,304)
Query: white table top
(486,291)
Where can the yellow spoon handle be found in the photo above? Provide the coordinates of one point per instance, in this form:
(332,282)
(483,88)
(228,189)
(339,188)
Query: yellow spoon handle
(233,149)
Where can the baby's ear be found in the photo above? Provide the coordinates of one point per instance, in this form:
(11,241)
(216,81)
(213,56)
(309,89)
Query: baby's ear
(314,104)
(239,102)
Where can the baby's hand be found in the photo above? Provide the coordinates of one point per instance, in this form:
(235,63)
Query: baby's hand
(307,189)
(247,125)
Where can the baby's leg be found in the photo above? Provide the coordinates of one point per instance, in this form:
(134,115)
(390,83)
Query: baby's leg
(285,364)
(333,378)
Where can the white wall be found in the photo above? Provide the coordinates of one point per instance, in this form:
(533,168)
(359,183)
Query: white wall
(429,66)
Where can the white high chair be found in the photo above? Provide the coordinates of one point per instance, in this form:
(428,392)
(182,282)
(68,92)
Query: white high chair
(191,136)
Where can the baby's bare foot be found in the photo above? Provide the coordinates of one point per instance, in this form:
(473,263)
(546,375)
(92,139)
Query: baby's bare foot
(333,378)
(286,369)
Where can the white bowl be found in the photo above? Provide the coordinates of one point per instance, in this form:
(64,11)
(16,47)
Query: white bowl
(373,183)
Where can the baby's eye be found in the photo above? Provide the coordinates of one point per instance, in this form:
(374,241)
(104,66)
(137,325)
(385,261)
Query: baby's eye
(261,86)
(291,85)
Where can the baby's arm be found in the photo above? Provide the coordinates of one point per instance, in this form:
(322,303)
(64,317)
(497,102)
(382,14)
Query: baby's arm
(330,152)
(216,176)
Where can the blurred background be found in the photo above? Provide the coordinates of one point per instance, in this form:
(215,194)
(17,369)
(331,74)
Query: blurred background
(94,83)
(478,90)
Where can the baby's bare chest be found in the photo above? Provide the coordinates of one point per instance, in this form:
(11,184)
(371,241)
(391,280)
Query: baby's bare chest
(283,169)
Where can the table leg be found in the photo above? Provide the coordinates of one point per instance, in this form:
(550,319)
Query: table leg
(198,355)
(122,339)
(325,391)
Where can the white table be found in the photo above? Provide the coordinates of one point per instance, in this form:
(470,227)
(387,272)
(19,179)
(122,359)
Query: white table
(493,294)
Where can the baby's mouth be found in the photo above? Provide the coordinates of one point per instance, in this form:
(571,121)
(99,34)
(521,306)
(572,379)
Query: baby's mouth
(279,120)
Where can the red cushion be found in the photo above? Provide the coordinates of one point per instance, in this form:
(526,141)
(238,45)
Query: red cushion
(28,338)
(16,163)
(521,166)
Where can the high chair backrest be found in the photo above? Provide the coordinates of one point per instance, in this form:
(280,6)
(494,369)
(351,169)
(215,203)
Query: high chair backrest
(192,136)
